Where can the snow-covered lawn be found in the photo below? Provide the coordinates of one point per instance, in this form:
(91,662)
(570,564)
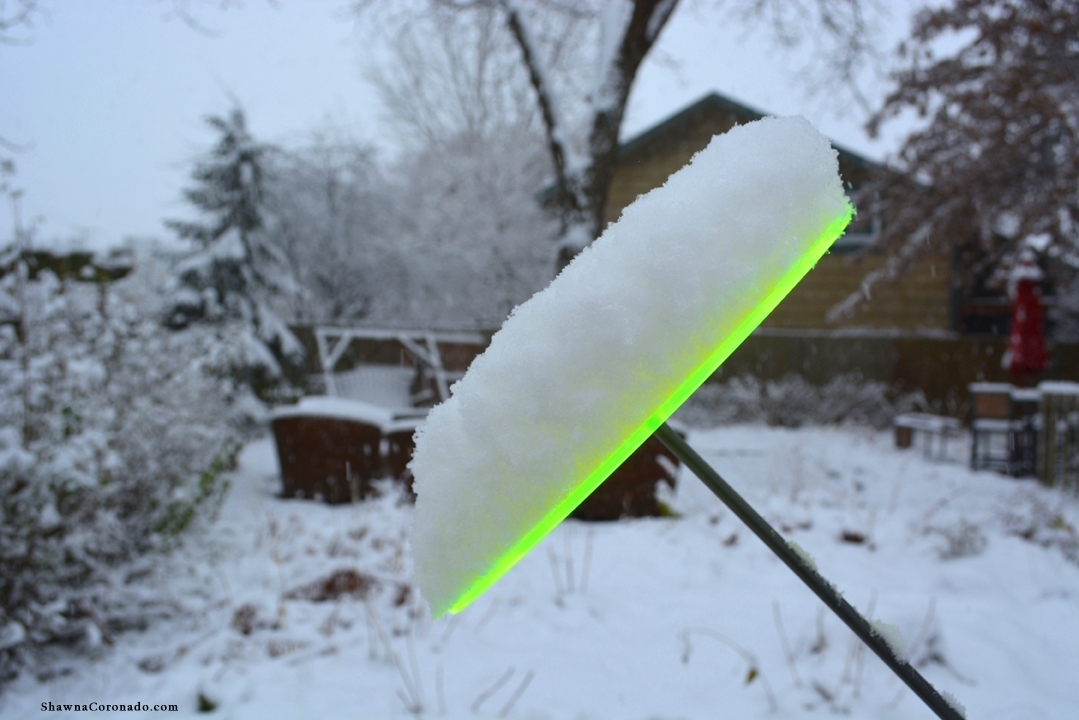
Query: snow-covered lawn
(686,617)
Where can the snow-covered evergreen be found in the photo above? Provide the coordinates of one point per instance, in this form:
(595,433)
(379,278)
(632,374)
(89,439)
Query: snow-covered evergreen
(235,275)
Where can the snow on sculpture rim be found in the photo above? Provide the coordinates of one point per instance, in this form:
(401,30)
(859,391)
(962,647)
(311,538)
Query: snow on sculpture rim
(582,373)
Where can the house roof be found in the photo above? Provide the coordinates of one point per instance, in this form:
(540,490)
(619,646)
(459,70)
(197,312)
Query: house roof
(743,112)
(711,101)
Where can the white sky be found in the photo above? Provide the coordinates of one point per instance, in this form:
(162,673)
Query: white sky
(109,97)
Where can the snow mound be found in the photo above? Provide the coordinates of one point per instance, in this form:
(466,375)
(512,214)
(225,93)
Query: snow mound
(582,373)
(348,409)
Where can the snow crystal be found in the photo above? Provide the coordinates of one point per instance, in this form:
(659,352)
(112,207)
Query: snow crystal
(588,361)
(802,554)
(892,638)
(954,703)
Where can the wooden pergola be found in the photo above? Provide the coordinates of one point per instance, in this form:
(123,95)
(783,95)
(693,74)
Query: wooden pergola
(422,347)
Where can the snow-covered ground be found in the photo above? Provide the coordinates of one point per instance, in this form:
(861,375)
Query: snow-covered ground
(686,617)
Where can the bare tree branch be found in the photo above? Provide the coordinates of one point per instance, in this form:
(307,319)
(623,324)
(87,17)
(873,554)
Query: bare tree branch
(997,166)
(17,15)
(566,198)
(581,186)
(841,33)
(581,59)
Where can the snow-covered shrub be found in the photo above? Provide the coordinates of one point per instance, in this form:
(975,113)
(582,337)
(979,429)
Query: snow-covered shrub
(793,402)
(113,431)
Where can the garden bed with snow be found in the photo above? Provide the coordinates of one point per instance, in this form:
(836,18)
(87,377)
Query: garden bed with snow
(288,608)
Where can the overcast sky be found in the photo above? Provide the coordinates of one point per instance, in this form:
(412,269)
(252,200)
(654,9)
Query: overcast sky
(109,96)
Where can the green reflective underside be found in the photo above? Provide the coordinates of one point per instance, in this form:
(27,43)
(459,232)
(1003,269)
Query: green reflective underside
(562,510)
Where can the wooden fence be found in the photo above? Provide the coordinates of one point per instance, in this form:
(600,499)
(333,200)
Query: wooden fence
(940,365)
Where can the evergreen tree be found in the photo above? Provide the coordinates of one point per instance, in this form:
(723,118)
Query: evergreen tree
(236,273)
(229,184)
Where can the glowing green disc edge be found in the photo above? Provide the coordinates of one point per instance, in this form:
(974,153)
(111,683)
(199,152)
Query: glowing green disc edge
(562,510)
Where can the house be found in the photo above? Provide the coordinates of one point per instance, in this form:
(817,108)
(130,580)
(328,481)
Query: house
(922,302)
(920,332)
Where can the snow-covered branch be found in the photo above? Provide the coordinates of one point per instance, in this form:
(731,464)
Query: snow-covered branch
(558,142)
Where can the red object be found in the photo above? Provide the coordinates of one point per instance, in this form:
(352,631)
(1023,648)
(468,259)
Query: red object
(1026,341)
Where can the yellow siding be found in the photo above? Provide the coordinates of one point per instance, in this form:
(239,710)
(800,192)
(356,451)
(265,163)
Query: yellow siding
(920,300)
(650,167)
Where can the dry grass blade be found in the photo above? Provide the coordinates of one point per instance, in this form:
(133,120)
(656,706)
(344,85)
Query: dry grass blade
(488,615)
(786,646)
(516,695)
(587,564)
(753,670)
(554,571)
(569,559)
(483,696)
(414,702)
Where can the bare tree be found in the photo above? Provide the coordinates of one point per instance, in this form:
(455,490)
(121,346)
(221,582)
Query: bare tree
(15,19)
(329,212)
(578,60)
(454,77)
(996,167)
(841,36)
(473,233)
(622,35)
(469,230)
(581,59)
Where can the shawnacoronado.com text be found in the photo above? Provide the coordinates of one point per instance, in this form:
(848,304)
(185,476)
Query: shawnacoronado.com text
(108,707)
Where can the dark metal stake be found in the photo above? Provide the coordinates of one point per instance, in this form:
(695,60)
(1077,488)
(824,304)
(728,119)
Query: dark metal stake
(809,575)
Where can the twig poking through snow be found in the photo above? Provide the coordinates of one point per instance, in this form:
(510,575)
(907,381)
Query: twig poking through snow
(923,633)
(413,703)
(753,671)
(786,646)
(859,659)
(516,695)
(554,571)
(449,628)
(415,669)
(821,643)
(569,559)
(587,564)
(488,615)
(483,696)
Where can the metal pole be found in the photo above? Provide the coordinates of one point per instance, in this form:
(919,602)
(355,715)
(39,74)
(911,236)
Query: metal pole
(808,574)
